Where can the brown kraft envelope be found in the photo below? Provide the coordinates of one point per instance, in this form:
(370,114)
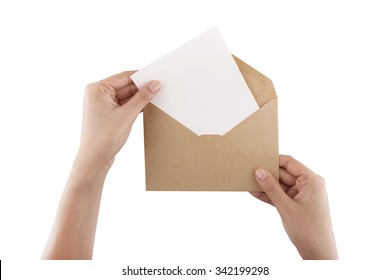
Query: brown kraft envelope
(177,159)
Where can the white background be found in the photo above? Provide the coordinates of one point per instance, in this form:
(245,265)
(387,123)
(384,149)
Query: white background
(330,64)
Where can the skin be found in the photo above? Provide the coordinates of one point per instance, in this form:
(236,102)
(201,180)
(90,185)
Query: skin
(302,202)
(110,108)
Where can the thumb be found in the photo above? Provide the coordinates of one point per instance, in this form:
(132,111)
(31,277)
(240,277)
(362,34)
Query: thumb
(273,189)
(142,98)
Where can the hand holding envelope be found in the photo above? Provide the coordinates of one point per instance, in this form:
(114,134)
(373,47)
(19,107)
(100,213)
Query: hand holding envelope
(213,123)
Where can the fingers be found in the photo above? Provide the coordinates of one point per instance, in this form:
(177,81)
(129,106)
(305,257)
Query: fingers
(142,98)
(126,91)
(286,178)
(273,190)
(293,166)
(120,80)
(124,100)
(263,197)
(292,192)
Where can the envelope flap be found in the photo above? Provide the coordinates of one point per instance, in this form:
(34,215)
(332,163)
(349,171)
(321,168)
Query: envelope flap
(260,86)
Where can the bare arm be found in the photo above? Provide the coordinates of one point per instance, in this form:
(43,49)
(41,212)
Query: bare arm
(73,233)
(110,108)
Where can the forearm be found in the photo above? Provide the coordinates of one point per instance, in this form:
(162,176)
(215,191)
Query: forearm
(73,232)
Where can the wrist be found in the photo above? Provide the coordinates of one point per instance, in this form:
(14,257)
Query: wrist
(93,160)
(88,173)
(319,250)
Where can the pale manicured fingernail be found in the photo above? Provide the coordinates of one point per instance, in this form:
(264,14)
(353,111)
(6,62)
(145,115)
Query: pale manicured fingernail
(261,175)
(155,86)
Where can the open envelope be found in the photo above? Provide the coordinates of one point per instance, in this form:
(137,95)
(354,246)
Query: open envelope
(177,159)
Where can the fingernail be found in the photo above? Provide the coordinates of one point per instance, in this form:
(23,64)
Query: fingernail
(155,86)
(261,175)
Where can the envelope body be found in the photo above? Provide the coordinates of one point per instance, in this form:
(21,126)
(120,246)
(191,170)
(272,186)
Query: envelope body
(176,159)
